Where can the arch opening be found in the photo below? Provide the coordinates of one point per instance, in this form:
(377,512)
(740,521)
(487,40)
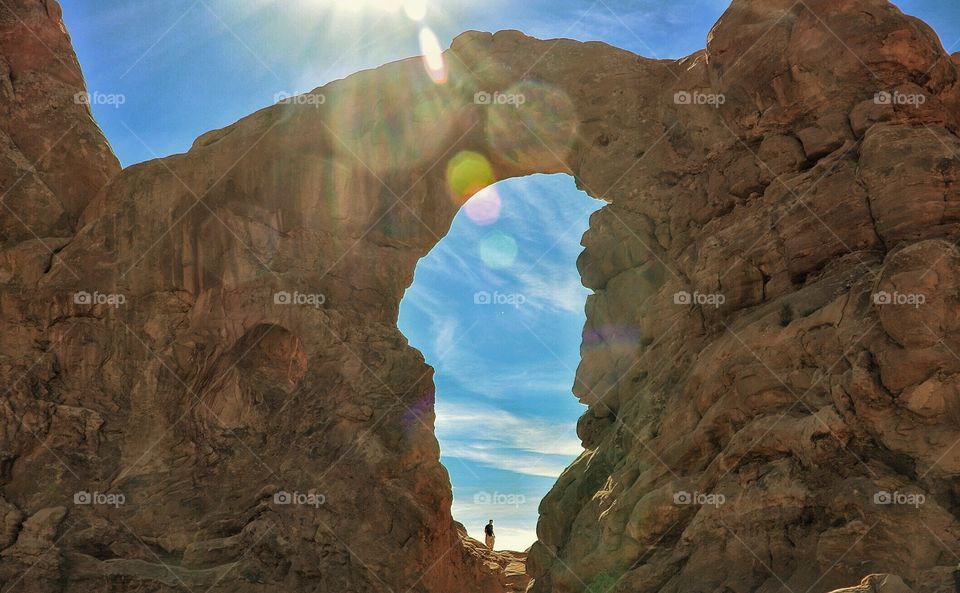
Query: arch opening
(497,308)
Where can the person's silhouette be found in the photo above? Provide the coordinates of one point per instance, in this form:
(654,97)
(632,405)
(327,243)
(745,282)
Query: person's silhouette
(488,532)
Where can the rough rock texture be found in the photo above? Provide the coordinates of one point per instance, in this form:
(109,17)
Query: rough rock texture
(510,566)
(789,170)
(53,157)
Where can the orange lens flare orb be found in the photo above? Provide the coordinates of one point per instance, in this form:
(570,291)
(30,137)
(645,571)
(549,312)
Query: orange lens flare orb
(468,173)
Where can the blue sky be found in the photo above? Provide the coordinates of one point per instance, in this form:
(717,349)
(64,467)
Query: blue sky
(497,309)
(506,417)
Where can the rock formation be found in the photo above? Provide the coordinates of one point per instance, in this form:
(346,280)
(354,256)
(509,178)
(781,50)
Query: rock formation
(878,583)
(55,158)
(207,390)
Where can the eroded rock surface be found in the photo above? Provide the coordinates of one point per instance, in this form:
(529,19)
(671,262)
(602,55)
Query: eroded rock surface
(770,404)
(54,157)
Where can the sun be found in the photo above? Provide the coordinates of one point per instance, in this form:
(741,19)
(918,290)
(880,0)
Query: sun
(415,9)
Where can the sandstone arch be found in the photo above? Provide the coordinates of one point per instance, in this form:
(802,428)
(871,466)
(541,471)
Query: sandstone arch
(799,399)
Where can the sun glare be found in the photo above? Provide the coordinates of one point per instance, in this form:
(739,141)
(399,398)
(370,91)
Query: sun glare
(433,56)
(415,9)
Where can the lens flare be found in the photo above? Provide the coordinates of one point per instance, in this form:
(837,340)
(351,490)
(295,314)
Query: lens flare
(408,127)
(621,340)
(433,56)
(467,173)
(421,411)
(484,207)
(416,9)
(498,250)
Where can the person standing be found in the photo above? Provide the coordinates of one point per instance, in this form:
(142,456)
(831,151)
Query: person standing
(488,532)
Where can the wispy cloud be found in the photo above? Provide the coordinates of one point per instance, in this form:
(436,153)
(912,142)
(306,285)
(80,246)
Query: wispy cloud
(519,462)
(445,259)
(456,336)
(499,439)
(446,334)
(538,435)
(553,288)
(501,383)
